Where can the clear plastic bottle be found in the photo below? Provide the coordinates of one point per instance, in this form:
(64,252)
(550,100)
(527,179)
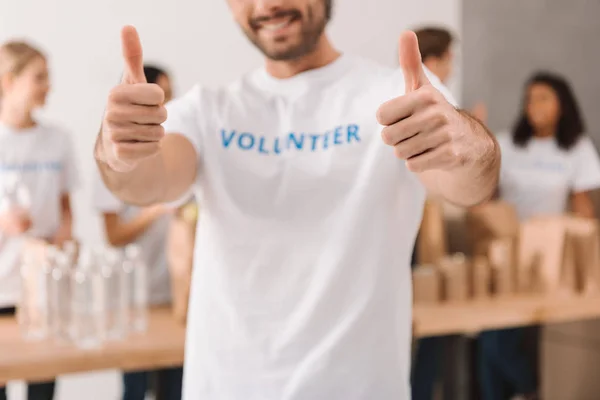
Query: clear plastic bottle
(34,308)
(116,294)
(135,269)
(70,250)
(88,322)
(60,297)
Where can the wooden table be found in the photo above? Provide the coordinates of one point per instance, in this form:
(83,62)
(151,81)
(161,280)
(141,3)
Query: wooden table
(476,316)
(161,346)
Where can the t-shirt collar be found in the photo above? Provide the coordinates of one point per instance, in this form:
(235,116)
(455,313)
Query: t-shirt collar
(302,81)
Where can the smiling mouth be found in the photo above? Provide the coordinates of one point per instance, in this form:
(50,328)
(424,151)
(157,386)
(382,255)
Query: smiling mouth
(275,23)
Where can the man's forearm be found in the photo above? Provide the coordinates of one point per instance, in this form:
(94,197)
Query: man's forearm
(160,178)
(144,185)
(477,180)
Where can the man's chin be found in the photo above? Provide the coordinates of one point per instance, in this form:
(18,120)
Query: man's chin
(279,52)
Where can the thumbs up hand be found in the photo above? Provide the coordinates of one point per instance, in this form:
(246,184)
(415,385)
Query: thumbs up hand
(131,129)
(422,126)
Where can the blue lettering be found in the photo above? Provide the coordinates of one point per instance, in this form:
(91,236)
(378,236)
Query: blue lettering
(337,139)
(314,139)
(298,143)
(326,140)
(227,140)
(353,133)
(261,146)
(249,143)
(276,148)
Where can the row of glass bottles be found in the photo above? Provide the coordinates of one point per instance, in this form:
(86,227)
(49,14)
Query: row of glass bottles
(103,296)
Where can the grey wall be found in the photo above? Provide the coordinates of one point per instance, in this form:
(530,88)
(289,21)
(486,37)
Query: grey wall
(504,41)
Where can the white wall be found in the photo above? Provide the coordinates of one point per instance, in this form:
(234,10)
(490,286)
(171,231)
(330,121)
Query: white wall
(195,39)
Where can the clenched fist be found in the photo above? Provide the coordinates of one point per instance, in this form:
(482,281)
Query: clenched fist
(422,126)
(131,129)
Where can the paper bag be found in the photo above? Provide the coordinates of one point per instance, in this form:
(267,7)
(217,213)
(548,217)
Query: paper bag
(583,233)
(501,256)
(491,221)
(426,285)
(455,273)
(431,242)
(480,278)
(546,253)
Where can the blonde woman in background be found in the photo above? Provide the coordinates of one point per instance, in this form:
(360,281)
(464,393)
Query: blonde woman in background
(41,157)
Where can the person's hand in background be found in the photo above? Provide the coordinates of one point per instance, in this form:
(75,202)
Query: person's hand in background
(480,112)
(14,222)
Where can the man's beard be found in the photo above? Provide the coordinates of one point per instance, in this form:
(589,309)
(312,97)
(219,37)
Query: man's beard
(311,31)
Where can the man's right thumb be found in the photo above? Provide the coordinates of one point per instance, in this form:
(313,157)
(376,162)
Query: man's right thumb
(133,55)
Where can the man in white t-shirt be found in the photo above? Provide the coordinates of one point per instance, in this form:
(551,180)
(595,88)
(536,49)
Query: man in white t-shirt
(312,174)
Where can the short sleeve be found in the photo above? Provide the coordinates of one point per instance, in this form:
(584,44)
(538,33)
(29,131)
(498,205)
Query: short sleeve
(586,171)
(183,117)
(102,198)
(70,172)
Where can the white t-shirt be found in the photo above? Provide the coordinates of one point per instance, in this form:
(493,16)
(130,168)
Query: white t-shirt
(152,242)
(301,287)
(538,178)
(44,157)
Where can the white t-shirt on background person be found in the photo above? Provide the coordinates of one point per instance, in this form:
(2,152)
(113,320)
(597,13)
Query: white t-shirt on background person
(301,287)
(44,157)
(538,178)
(152,242)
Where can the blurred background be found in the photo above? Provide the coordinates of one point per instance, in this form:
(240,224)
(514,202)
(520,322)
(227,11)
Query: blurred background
(189,37)
(497,46)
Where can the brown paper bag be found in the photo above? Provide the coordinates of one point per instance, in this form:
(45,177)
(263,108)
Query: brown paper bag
(545,252)
(426,285)
(431,242)
(455,273)
(481,278)
(491,221)
(501,256)
(583,233)
(180,253)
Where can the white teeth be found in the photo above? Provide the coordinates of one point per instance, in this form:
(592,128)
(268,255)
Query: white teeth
(274,27)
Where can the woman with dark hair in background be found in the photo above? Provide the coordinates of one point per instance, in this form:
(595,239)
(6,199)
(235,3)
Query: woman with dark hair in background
(548,163)
(147,227)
